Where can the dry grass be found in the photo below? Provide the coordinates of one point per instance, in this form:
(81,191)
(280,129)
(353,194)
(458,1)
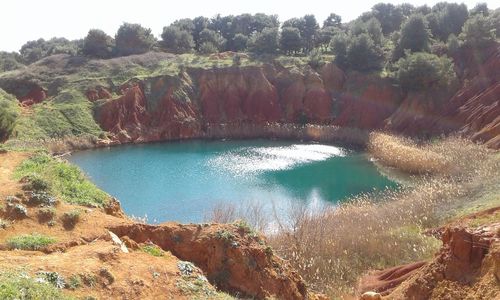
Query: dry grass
(406,155)
(331,249)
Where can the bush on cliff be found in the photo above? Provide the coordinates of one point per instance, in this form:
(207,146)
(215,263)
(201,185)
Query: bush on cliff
(419,71)
(9,112)
(66,180)
(176,40)
(33,51)
(68,114)
(414,36)
(478,31)
(133,39)
(266,41)
(363,54)
(10,61)
(98,44)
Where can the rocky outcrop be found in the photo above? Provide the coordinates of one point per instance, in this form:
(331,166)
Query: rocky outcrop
(385,281)
(153,110)
(97,93)
(468,265)
(184,106)
(367,101)
(229,255)
(35,95)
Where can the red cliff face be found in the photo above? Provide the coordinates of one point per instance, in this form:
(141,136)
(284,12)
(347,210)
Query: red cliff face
(164,112)
(317,101)
(367,101)
(98,93)
(184,106)
(124,115)
(35,95)
(238,95)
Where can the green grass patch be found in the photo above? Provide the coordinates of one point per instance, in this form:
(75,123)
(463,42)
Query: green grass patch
(9,112)
(153,250)
(67,182)
(32,242)
(20,286)
(486,219)
(67,114)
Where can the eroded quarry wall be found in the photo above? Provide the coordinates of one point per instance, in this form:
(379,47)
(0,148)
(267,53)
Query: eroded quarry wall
(177,107)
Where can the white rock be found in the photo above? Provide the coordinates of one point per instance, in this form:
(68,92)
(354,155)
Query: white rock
(371,296)
(116,240)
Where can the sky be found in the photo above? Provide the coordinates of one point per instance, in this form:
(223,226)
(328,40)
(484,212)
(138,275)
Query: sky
(24,20)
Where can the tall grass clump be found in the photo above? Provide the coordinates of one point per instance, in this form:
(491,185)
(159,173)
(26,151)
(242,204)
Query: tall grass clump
(405,155)
(66,181)
(33,241)
(333,248)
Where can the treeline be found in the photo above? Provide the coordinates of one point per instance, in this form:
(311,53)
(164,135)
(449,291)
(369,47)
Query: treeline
(388,36)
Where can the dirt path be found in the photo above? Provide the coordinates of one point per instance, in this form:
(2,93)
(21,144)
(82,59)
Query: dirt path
(8,162)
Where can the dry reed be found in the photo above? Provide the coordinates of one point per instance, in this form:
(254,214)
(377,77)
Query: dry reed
(333,248)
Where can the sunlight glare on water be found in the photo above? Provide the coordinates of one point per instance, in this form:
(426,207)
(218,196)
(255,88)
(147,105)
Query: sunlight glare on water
(182,181)
(260,159)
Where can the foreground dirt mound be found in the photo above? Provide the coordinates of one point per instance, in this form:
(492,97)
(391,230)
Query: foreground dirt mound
(171,261)
(233,258)
(385,281)
(467,267)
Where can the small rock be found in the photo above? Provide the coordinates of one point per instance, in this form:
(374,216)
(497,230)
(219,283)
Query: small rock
(17,210)
(186,267)
(371,296)
(107,275)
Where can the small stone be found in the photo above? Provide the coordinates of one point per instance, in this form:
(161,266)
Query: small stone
(371,296)
(116,240)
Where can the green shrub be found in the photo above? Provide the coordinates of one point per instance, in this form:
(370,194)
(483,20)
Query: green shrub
(67,114)
(32,242)
(4,224)
(74,282)
(153,250)
(478,31)
(41,198)
(363,54)
(176,40)
(46,214)
(133,39)
(67,182)
(9,112)
(419,71)
(34,182)
(98,44)
(53,278)
(246,228)
(19,286)
(315,59)
(225,235)
(414,36)
(71,218)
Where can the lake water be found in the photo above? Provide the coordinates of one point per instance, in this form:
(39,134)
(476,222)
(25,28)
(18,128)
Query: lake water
(182,181)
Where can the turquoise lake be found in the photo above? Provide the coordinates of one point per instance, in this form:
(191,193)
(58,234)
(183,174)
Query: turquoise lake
(183,181)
